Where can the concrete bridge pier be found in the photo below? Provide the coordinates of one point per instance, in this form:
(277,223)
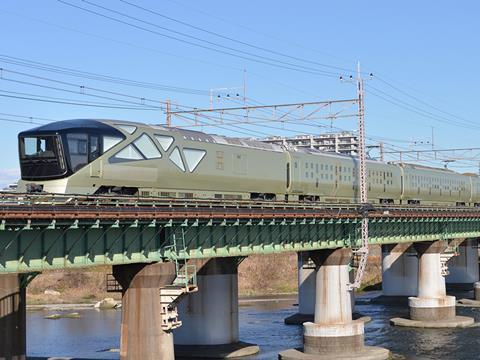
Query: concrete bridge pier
(432,307)
(399,270)
(12,318)
(307,289)
(142,335)
(463,268)
(210,327)
(333,334)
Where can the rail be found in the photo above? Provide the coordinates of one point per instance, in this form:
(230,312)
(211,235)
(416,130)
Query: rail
(51,207)
(19,199)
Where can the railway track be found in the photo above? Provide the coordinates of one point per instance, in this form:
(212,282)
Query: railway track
(67,207)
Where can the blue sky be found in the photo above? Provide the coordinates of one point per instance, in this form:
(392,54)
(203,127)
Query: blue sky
(427,50)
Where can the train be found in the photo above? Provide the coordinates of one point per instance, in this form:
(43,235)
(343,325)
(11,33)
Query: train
(98,157)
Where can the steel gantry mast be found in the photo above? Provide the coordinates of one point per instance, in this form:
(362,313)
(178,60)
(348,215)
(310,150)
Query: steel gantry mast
(362,251)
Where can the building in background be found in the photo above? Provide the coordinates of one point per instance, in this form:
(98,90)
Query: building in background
(342,143)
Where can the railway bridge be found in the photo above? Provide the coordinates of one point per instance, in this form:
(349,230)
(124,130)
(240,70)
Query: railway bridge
(176,261)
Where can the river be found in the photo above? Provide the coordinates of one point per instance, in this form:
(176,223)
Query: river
(261,322)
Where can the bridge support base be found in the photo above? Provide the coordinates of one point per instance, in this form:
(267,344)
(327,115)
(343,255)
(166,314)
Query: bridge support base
(432,307)
(333,334)
(210,315)
(463,269)
(12,318)
(142,336)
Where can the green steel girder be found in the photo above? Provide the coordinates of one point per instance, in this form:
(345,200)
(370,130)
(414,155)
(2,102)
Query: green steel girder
(37,246)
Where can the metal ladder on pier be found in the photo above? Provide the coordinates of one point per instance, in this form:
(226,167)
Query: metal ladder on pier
(184,283)
(450,251)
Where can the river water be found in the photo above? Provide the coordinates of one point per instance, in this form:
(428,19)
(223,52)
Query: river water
(261,322)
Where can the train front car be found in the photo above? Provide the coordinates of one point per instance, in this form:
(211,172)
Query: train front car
(52,155)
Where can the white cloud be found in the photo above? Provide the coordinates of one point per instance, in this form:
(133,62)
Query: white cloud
(8,176)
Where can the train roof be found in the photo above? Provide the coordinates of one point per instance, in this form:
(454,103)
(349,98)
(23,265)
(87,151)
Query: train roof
(201,136)
(75,125)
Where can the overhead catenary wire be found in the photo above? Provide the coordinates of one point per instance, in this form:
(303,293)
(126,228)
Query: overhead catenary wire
(157,13)
(256,58)
(81,88)
(95,76)
(56,100)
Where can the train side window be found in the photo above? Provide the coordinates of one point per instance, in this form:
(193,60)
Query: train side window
(77,148)
(94,151)
(147,147)
(165,141)
(109,142)
(177,159)
(128,128)
(193,157)
(129,153)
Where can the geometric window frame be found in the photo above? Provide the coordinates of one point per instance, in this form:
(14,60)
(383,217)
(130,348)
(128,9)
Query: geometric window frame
(165,141)
(193,157)
(147,147)
(176,158)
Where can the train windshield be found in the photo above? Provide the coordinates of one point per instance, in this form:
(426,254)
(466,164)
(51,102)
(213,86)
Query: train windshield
(41,157)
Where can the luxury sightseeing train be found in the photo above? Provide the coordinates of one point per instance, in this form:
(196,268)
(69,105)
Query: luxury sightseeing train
(118,157)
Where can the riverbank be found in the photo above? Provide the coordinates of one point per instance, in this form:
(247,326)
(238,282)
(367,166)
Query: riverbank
(258,276)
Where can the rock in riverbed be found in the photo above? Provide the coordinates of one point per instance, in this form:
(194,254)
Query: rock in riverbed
(52,292)
(74,315)
(107,303)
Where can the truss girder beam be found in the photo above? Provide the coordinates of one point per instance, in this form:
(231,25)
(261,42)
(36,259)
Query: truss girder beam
(38,246)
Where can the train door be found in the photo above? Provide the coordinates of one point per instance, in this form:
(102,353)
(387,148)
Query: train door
(295,179)
(336,177)
(93,154)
